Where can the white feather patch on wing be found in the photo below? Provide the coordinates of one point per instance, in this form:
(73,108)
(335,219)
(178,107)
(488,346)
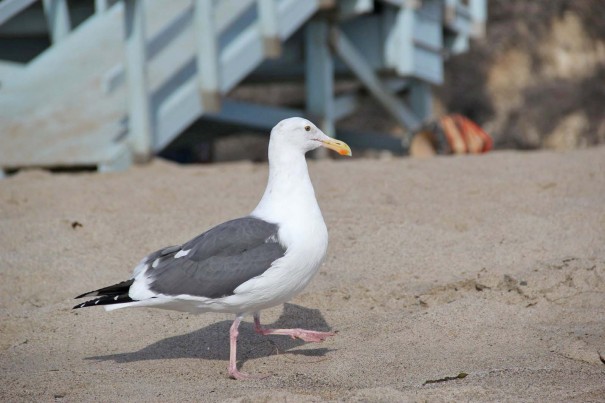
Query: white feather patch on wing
(141,267)
(139,290)
(181,253)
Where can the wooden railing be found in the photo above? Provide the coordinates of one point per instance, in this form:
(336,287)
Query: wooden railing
(191,58)
(212,69)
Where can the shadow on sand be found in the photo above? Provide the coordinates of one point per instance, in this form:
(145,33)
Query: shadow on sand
(212,342)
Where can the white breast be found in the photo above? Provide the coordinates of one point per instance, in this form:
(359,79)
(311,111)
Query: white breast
(289,275)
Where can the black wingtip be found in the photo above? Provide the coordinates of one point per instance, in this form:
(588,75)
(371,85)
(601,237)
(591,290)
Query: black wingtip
(112,290)
(86,294)
(105,300)
(85,304)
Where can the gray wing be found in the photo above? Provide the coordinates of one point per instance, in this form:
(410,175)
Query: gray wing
(218,261)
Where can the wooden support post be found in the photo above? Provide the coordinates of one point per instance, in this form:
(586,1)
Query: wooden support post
(478,9)
(450,11)
(207,55)
(363,71)
(421,100)
(319,78)
(57,16)
(101,6)
(319,75)
(268,16)
(141,127)
(399,46)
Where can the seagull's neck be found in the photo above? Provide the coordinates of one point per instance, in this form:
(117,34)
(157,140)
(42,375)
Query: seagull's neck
(289,195)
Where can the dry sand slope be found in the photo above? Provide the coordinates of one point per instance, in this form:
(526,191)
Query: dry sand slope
(492,266)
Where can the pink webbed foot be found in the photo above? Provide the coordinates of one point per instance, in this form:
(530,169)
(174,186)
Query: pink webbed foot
(234,373)
(311,336)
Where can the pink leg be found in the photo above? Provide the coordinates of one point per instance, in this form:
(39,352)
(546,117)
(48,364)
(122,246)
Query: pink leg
(305,335)
(233,332)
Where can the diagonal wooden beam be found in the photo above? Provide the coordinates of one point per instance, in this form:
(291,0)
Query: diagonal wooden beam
(10,8)
(347,52)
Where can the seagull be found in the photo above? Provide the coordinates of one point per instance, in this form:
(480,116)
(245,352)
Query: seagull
(247,264)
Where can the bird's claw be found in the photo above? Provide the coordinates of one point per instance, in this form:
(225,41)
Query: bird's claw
(235,374)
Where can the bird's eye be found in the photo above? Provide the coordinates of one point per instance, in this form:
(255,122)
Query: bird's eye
(308,128)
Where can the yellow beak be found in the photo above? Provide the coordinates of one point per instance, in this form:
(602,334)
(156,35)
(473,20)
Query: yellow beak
(339,146)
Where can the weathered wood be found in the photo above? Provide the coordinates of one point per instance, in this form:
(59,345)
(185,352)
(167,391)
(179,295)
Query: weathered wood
(101,6)
(207,55)
(57,16)
(169,32)
(268,14)
(140,122)
(478,9)
(351,57)
(421,99)
(414,44)
(258,116)
(10,8)
(319,75)
(165,91)
(353,8)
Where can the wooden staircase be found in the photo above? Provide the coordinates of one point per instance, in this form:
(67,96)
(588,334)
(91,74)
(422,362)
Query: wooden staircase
(136,73)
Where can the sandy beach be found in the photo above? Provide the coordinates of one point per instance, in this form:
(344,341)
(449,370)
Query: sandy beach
(475,278)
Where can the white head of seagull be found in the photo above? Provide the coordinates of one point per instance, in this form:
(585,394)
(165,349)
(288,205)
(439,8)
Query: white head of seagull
(300,135)
(247,264)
